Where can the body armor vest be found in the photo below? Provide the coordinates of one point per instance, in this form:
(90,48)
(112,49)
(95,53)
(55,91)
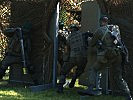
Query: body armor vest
(77,44)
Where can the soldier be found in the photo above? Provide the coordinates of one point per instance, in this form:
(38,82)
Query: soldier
(61,42)
(13,53)
(75,55)
(108,55)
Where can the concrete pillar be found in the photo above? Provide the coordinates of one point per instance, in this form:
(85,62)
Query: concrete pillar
(90,16)
(89,22)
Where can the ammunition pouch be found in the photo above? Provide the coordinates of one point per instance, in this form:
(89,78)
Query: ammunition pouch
(103,55)
(112,52)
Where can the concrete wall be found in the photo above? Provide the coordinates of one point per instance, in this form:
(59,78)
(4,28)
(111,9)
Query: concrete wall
(89,22)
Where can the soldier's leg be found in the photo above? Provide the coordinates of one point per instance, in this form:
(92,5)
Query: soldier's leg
(98,80)
(7,61)
(118,84)
(81,63)
(67,66)
(92,73)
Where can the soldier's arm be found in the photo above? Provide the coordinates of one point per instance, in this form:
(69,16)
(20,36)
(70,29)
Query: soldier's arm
(67,49)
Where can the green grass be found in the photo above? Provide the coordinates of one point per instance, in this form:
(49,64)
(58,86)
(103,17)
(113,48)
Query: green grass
(8,92)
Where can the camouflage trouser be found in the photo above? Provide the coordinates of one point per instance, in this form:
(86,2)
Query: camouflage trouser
(8,61)
(118,84)
(80,62)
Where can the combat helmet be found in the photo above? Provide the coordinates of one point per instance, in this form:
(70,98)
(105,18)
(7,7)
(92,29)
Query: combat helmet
(104,19)
(73,27)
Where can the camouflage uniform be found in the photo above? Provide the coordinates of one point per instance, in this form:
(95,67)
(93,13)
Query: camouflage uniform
(76,56)
(13,52)
(62,34)
(108,55)
(61,45)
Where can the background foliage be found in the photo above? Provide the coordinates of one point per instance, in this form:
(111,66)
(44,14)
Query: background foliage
(70,11)
(4,22)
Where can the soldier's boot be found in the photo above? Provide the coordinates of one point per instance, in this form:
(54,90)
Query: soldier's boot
(61,83)
(90,91)
(72,83)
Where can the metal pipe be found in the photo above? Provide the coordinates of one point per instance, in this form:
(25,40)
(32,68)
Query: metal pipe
(55,46)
